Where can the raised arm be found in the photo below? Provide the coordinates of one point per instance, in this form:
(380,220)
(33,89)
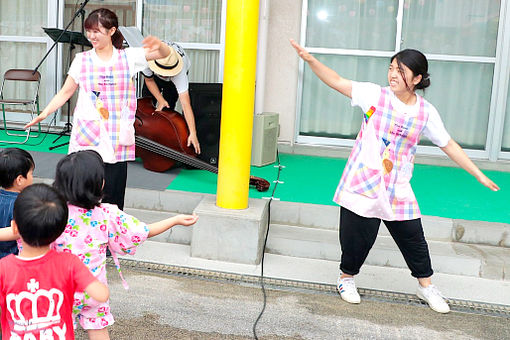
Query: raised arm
(155,48)
(58,100)
(98,291)
(163,225)
(456,154)
(327,75)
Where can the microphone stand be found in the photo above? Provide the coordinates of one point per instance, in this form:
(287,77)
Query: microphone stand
(78,12)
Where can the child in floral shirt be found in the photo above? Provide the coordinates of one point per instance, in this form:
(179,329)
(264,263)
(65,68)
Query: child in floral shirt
(94,226)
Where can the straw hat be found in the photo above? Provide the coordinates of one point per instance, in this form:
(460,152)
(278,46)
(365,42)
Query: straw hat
(169,66)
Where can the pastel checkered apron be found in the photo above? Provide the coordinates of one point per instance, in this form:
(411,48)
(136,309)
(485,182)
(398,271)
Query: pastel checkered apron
(105,111)
(375,182)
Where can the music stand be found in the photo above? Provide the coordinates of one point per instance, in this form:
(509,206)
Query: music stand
(68,36)
(72,38)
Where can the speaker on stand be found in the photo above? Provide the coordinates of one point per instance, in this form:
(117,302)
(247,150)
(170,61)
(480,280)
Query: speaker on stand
(206,103)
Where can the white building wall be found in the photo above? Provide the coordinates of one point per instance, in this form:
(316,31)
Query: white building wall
(282,64)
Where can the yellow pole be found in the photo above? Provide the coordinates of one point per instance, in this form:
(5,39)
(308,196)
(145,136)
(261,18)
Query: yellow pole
(237,104)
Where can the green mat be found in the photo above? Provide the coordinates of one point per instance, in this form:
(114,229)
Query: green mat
(42,143)
(441,191)
(297,186)
(452,192)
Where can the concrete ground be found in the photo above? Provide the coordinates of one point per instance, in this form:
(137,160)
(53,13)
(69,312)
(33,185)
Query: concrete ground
(159,306)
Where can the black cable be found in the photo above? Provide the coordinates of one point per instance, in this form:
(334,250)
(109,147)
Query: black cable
(264,247)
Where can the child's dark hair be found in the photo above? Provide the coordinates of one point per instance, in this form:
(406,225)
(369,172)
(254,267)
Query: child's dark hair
(14,162)
(417,63)
(107,19)
(79,178)
(40,212)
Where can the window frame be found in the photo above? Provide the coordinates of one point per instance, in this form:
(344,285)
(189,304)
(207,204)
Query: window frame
(499,93)
(502,78)
(220,47)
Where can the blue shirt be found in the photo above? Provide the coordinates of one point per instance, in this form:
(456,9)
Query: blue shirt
(7,199)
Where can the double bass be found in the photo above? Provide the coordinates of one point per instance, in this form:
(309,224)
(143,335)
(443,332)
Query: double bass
(161,140)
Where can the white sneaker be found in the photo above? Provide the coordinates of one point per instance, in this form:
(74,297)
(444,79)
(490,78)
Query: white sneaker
(434,298)
(347,290)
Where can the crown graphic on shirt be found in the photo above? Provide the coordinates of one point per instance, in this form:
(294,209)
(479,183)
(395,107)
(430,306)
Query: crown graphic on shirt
(31,302)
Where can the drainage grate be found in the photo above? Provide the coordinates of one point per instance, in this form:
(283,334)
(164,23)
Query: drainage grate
(457,305)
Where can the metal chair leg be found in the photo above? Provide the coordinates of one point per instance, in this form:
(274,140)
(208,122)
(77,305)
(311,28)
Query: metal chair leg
(27,133)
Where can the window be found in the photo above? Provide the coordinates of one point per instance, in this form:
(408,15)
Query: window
(357,38)
(23,43)
(196,25)
(23,17)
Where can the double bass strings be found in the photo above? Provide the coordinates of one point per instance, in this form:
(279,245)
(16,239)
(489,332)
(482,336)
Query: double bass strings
(162,150)
(165,151)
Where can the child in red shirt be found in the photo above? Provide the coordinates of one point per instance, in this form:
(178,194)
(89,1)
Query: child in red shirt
(38,285)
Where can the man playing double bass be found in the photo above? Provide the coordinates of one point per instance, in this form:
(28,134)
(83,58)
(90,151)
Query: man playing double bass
(166,80)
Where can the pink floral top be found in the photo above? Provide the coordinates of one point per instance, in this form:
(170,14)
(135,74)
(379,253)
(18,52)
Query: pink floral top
(89,232)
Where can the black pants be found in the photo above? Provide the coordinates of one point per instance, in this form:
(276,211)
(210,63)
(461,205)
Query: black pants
(358,234)
(115,183)
(167,89)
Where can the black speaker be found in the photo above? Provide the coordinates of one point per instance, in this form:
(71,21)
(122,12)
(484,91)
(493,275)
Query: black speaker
(206,103)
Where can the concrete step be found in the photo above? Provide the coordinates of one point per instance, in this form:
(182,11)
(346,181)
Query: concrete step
(315,243)
(480,248)
(447,257)
(303,246)
(177,234)
(326,217)
(435,228)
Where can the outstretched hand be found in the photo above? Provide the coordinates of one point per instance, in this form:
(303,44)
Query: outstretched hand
(456,154)
(186,220)
(155,48)
(488,183)
(34,121)
(151,44)
(301,51)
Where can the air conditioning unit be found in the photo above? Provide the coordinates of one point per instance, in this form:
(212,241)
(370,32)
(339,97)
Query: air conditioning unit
(265,138)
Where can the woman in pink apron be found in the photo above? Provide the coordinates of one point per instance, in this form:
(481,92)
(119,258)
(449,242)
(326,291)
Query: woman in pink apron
(105,111)
(375,182)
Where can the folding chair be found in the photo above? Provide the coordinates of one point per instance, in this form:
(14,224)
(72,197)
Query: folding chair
(21,75)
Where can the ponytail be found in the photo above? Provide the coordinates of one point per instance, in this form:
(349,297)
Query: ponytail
(118,40)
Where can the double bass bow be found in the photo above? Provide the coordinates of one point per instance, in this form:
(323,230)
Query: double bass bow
(161,140)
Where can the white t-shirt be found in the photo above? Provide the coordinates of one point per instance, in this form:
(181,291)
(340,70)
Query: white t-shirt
(135,56)
(180,80)
(366,94)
